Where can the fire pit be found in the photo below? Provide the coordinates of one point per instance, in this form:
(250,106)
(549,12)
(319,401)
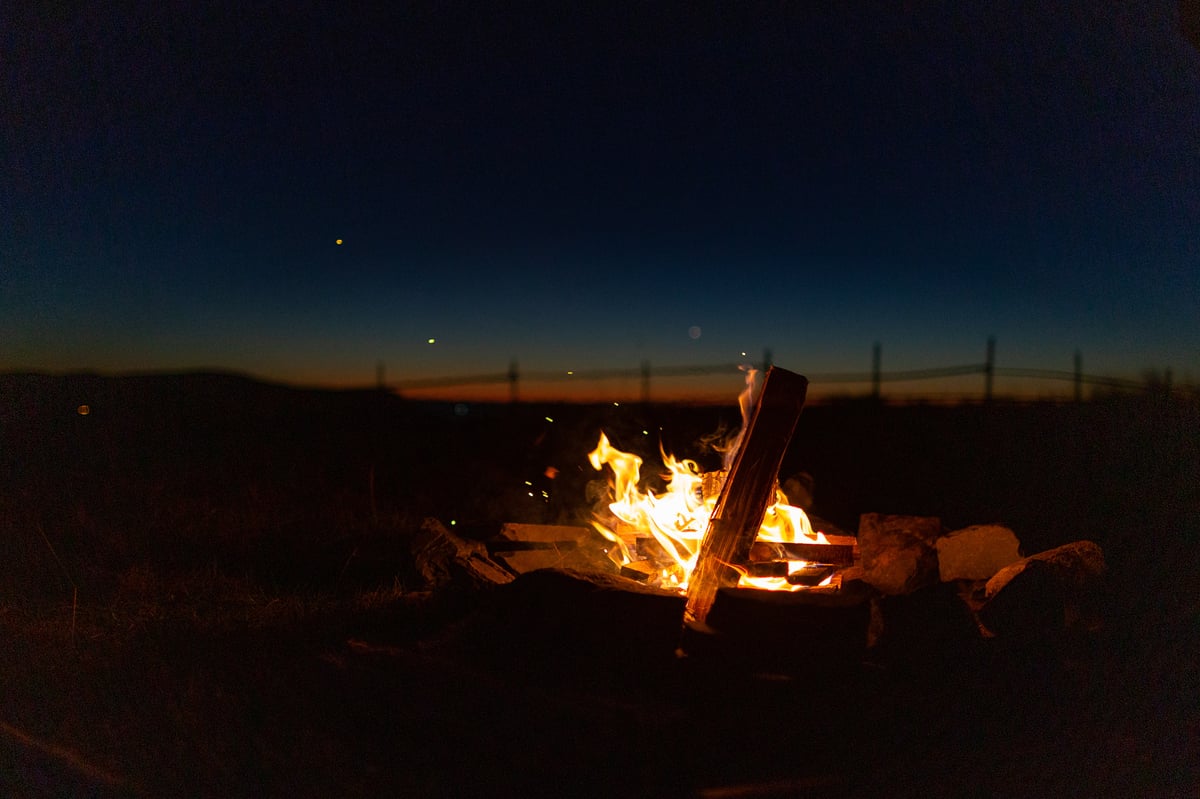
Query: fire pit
(757,579)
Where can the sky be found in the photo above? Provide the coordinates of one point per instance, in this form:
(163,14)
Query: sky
(581,186)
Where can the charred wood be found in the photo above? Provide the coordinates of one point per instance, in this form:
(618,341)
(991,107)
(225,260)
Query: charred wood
(747,491)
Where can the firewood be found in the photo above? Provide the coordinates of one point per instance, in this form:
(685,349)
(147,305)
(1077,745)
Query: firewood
(442,558)
(766,568)
(810,574)
(748,490)
(840,552)
(524,548)
(545,533)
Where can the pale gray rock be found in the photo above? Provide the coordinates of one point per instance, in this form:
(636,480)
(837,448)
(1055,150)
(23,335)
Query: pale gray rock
(976,552)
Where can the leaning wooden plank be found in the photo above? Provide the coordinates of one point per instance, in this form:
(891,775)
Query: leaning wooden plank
(748,489)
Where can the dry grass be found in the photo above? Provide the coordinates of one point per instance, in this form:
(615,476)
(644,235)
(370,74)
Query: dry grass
(176,600)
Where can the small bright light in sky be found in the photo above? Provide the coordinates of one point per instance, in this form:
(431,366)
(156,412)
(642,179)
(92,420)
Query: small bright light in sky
(694,332)
(339,241)
(570,372)
(430,341)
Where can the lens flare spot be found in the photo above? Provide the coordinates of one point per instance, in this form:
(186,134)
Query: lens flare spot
(694,332)
(338,242)
(84,410)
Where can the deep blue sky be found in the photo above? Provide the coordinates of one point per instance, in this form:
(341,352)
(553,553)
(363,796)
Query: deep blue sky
(577,186)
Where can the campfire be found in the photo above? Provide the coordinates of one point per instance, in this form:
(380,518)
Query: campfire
(656,536)
(731,534)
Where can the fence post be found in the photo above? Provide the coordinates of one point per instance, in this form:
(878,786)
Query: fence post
(1079,377)
(989,369)
(645,382)
(876,364)
(513,378)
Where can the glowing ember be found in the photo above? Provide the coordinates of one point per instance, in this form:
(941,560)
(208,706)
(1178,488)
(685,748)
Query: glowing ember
(676,518)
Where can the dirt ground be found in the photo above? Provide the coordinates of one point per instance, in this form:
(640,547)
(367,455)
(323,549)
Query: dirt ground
(206,590)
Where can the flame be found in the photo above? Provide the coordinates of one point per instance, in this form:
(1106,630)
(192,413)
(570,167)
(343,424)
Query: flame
(677,517)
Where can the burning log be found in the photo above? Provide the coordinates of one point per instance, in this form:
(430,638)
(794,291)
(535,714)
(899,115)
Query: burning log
(839,550)
(748,490)
(791,571)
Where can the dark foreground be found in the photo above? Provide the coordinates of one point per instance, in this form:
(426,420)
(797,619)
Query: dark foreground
(206,589)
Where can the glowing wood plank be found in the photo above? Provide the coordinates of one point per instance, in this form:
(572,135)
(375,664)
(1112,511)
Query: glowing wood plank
(748,490)
(840,550)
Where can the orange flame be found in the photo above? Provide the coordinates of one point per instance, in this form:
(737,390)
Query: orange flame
(677,518)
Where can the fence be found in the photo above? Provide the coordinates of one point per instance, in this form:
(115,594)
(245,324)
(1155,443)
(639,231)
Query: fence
(513,377)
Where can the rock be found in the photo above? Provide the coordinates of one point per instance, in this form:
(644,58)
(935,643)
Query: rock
(977,552)
(899,554)
(927,629)
(1045,594)
(1077,565)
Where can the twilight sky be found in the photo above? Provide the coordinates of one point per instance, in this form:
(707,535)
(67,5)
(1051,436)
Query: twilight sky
(580,187)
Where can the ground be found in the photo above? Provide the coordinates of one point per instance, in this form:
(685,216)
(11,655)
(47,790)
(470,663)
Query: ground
(206,589)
